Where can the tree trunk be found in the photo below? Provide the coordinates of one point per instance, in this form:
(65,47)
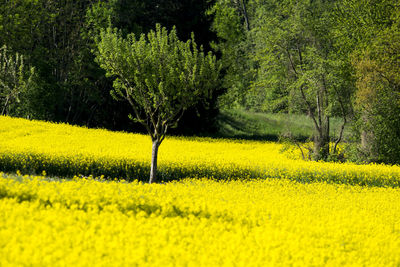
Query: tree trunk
(368,152)
(321,141)
(153,168)
(4,111)
(246,17)
(321,147)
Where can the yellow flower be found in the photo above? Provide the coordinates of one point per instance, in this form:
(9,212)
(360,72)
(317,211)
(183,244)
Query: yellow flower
(196,222)
(71,150)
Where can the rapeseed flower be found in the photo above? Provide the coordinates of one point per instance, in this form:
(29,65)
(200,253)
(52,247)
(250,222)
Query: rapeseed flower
(196,222)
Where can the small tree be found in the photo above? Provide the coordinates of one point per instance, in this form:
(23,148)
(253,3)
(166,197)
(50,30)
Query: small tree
(14,79)
(159,75)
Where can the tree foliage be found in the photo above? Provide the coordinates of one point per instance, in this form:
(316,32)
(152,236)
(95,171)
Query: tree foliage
(323,58)
(159,75)
(15,78)
(295,64)
(57,37)
(372,42)
(232,26)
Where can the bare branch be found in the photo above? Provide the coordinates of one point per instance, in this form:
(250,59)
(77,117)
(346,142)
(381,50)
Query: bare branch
(310,110)
(137,114)
(291,62)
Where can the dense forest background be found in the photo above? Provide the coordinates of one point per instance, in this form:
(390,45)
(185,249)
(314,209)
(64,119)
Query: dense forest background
(323,58)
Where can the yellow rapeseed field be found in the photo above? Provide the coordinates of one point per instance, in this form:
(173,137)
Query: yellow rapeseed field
(64,150)
(311,214)
(196,222)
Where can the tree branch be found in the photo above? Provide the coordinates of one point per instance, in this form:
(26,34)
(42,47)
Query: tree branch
(344,120)
(310,110)
(291,62)
(137,114)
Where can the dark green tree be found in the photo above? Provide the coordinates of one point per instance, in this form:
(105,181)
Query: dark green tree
(48,33)
(232,25)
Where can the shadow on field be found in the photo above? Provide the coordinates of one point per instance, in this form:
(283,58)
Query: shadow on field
(233,128)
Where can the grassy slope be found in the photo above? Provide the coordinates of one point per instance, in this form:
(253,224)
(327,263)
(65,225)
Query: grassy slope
(261,126)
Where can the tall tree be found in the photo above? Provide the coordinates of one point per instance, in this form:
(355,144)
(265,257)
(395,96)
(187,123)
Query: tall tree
(159,75)
(49,34)
(15,78)
(232,24)
(295,45)
(371,36)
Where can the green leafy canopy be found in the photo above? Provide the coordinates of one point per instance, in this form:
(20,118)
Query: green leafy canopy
(157,73)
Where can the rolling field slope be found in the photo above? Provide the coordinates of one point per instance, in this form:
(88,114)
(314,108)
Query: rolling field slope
(311,214)
(63,150)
